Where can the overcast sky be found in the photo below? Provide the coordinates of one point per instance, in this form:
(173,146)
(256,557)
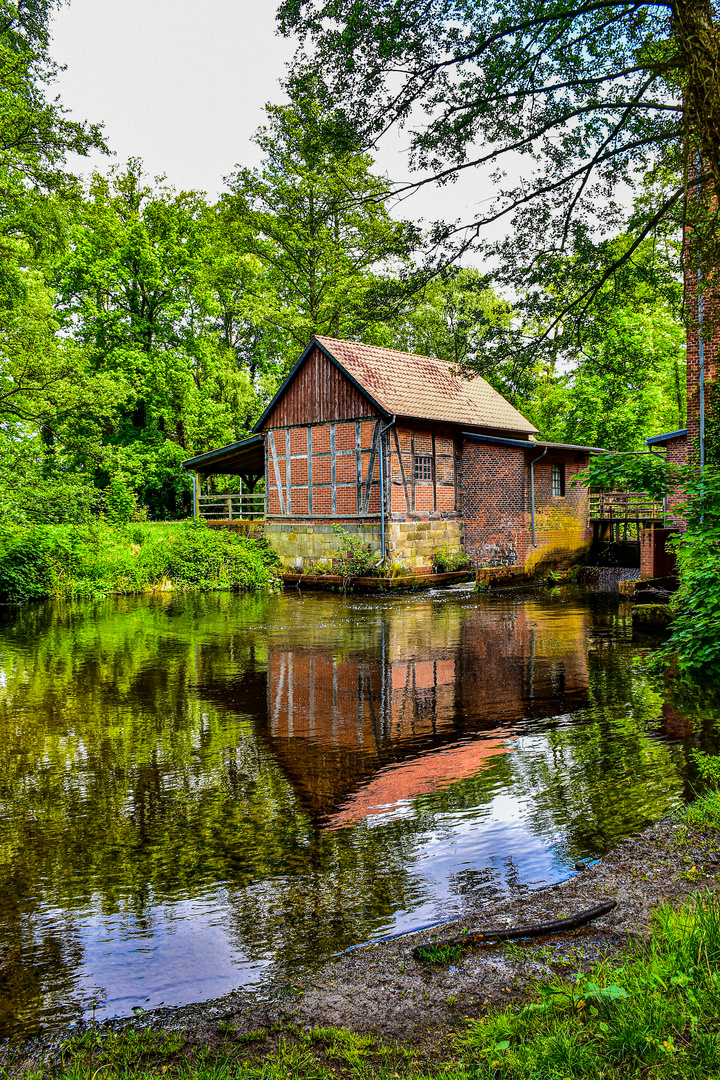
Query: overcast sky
(182,85)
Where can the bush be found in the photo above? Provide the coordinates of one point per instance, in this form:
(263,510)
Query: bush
(694,644)
(447,559)
(121,502)
(354,558)
(47,561)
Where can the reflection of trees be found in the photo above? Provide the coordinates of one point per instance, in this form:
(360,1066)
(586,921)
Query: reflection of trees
(137,763)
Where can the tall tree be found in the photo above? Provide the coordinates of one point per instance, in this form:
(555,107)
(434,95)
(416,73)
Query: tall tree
(314,216)
(136,295)
(579,102)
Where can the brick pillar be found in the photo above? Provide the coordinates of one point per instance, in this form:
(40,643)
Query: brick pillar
(702,314)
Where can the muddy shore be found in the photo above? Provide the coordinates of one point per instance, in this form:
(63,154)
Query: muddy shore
(382,990)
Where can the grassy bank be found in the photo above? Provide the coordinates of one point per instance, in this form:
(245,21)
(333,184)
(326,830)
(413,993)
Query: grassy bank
(64,561)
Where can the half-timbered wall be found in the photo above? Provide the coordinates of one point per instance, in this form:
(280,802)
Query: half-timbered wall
(412,490)
(324,470)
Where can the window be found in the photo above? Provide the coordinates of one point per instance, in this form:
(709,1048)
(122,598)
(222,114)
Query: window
(558,480)
(423,468)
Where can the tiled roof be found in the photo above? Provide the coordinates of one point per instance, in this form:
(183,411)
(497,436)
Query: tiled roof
(425,388)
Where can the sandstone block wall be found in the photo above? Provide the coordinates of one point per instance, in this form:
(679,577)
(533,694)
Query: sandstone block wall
(413,543)
(300,544)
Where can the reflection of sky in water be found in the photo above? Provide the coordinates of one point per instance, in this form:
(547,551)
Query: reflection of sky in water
(182,953)
(208,793)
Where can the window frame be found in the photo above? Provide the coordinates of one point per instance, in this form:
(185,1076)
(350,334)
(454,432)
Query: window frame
(557,470)
(425,462)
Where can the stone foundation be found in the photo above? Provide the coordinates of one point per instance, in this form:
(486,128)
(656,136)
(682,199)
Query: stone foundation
(413,543)
(302,544)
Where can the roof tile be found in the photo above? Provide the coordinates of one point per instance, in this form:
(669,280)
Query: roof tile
(405,384)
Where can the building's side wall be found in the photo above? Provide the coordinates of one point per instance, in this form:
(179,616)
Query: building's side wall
(496,507)
(676,456)
(319,475)
(324,470)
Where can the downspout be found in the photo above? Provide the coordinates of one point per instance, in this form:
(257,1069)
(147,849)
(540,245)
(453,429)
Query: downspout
(382,489)
(663,458)
(195,498)
(533,463)
(701,350)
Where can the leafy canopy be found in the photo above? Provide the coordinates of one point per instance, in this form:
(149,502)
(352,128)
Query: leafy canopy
(582,103)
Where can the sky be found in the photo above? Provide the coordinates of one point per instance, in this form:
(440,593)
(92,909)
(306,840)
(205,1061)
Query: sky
(182,85)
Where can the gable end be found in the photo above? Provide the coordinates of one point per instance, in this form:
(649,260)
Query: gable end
(317,390)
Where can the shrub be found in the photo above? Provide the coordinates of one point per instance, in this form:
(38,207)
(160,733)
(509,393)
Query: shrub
(94,560)
(694,643)
(121,502)
(354,557)
(447,559)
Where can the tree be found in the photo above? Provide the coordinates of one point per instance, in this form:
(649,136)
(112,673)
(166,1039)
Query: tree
(136,295)
(624,377)
(590,99)
(314,217)
(35,138)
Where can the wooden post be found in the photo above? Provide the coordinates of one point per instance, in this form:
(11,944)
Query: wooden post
(412,468)
(402,469)
(276,467)
(309,471)
(358,463)
(197,487)
(332,469)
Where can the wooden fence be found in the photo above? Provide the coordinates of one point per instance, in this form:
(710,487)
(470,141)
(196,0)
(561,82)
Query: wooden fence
(635,506)
(232,507)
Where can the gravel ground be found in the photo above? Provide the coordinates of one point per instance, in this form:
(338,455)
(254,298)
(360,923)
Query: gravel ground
(381,989)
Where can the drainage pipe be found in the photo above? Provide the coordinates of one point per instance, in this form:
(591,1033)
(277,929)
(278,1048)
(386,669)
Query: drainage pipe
(663,458)
(382,488)
(533,463)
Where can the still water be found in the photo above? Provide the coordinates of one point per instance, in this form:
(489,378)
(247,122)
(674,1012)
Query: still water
(202,793)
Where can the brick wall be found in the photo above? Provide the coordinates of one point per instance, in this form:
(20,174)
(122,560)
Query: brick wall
(495,487)
(711,342)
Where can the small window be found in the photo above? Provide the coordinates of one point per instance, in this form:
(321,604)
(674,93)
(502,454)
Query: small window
(423,468)
(558,480)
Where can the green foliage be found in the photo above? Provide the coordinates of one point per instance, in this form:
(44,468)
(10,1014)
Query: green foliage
(658,1009)
(566,108)
(694,644)
(447,559)
(439,955)
(354,557)
(136,292)
(626,472)
(121,503)
(314,218)
(39,561)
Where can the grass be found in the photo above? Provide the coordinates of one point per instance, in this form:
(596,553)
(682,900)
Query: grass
(66,561)
(653,1014)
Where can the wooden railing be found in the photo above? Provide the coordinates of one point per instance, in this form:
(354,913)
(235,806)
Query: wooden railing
(624,506)
(232,507)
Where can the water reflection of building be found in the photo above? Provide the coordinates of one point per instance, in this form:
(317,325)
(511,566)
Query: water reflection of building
(428,699)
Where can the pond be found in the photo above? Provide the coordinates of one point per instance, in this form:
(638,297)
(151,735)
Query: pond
(199,793)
